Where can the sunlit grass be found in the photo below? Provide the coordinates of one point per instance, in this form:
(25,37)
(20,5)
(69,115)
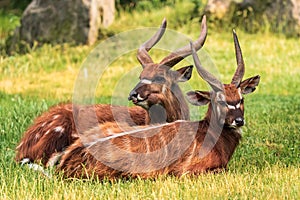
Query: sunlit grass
(270,183)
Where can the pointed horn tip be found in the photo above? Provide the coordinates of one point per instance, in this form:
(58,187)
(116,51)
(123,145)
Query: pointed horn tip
(234,33)
(164,23)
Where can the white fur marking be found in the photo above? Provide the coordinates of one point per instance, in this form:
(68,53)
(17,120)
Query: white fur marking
(59,129)
(35,167)
(231,107)
(47,132)
(54,159)
(164,89)
(55,116)
(166,150)
(240,93)
(146,81)
(218,111)
(181,120)
(37,136)
(25,161)
(44,124)
(88,145)
(38,168)
(189,159)
(147,145)
(233,124)
(19,145)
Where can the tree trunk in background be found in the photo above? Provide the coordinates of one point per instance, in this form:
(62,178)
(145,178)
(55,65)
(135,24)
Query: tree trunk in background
(62,21)
(254,15)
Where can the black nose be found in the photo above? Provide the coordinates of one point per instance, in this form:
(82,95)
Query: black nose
(239,121)
(132,95)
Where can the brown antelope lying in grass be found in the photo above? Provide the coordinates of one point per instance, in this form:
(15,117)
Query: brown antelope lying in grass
(177,148)
(55,130)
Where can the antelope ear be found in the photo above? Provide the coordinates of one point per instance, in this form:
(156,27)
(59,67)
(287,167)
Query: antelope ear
(249,85)
(198,98)
(184,74)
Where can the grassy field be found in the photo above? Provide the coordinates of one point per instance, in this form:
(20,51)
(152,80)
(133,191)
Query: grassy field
(264,166)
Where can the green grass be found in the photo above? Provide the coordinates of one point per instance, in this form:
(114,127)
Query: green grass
(264,166)
(8,23)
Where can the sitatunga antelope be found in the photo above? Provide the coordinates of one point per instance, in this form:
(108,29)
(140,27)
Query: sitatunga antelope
(176,148)
(53,131)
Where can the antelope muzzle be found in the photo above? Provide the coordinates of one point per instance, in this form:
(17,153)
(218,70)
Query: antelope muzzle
(139,94)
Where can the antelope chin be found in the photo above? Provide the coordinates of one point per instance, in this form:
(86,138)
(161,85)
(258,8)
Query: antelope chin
(143,104)
(139,101)
(233,125)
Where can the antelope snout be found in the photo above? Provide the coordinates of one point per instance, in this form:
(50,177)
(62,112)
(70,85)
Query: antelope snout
(132,95)
(139,93)
(239,121)
(136,97)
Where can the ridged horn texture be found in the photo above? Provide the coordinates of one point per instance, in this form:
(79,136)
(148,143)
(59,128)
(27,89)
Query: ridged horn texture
(240,71)
(208,77)
(185,51)
(142,54)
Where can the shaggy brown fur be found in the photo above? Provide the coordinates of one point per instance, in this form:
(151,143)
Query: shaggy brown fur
(56,129)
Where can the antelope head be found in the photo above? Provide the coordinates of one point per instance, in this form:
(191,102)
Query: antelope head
(158,83)
(227,102)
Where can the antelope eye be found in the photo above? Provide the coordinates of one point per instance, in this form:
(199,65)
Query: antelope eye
(159,79)
(222,103)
